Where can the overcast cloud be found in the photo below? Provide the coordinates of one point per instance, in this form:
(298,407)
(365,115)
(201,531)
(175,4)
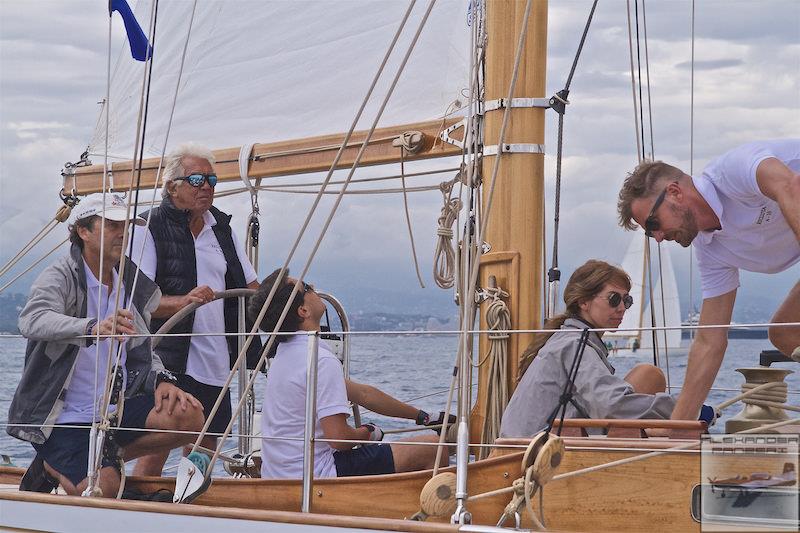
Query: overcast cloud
(747,86)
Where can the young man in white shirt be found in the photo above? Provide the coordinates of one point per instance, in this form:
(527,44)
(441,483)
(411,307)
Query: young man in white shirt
(283,411)
(743,211)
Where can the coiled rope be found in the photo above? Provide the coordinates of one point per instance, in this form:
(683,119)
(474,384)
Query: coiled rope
(498,320)
(444,256)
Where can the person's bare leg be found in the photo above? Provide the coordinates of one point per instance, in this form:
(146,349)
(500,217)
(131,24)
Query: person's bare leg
(206,442)
(155,443)
(787,339)
(109,482)
(646,379)
(150,465)
(408,458)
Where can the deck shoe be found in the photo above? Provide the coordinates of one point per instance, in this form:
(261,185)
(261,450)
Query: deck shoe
(36,478)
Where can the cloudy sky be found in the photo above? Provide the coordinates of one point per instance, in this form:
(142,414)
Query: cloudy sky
(747,86)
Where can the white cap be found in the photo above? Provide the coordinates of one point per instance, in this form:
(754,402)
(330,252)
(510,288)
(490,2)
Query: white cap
(115,208)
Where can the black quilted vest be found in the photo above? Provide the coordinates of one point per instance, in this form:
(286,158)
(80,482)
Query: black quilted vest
(176,274)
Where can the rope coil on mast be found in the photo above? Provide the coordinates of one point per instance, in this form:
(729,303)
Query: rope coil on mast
(498,321)
(444,256)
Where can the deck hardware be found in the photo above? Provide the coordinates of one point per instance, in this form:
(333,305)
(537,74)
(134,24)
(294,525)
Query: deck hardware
(445,134)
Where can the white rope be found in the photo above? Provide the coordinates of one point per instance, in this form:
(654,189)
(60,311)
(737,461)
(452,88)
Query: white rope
(31,267)
(296,287)
(498,317)
(444,256)
(27,248)
(407,145)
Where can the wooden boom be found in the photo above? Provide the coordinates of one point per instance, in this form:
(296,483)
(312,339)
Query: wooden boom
(312,154)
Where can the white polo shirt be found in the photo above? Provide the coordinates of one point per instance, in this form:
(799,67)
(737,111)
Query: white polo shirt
(283,412)
(755,235)
(90,369)
(208,360)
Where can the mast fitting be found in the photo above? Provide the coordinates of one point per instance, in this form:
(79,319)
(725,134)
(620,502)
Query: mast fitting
(513,148)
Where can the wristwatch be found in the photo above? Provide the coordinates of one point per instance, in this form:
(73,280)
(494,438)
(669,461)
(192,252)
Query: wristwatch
(165,376)
(88,332)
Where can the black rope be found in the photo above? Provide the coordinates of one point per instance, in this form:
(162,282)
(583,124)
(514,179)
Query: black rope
(559,104)
(649,92)
(566,394)
(152,45)
(639,80)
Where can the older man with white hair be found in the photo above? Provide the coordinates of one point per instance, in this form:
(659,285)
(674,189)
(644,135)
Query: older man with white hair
(191,251)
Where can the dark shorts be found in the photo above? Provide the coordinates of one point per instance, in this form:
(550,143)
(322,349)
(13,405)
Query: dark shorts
(67,449)
(366,460)
(207,395)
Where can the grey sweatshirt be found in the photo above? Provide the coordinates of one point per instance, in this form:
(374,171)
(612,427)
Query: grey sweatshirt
(598,392)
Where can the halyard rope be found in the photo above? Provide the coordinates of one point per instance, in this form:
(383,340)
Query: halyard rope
(498,317)
(444,257)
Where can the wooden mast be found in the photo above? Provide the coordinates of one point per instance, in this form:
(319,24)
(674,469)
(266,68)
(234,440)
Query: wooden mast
(516,221)
(312,154)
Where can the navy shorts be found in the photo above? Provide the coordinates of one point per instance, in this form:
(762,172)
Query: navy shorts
(366,460)
(67,449)
(207,395)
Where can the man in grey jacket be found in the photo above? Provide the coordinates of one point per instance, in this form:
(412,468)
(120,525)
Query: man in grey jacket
(70,316)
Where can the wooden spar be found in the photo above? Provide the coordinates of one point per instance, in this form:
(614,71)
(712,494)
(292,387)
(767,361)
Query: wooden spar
(311,154)
(516,221)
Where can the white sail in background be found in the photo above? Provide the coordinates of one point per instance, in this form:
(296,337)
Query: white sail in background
(633,264)
(668,314)
(262,72)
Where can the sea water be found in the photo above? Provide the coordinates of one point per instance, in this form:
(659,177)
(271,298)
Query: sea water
(419,369)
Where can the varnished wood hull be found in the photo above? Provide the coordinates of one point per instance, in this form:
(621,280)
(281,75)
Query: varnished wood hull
(652,494)
(649,495)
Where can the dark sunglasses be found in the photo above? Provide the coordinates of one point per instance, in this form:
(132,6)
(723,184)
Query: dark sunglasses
(197,180)
(651,223)
(615,298)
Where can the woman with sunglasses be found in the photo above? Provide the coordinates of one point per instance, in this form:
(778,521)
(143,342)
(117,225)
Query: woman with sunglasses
(596,296)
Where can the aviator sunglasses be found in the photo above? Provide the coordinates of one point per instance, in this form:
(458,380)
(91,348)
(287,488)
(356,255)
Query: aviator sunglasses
(615,298)
(197,180)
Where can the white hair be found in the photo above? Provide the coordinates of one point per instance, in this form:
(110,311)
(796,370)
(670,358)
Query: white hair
(174,162)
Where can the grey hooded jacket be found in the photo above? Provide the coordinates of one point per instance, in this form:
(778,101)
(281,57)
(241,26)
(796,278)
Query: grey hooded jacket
(52,319)
(598,393)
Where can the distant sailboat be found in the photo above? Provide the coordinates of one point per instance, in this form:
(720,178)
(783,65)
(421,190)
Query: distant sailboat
(666,308)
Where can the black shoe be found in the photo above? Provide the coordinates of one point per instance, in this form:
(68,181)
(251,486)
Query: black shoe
(36,478)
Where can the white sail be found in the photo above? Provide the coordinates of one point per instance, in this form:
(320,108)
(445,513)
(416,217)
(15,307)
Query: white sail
(262,72)
(668,314)
(633,264)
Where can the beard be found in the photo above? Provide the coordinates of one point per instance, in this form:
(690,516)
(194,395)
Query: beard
(688,230)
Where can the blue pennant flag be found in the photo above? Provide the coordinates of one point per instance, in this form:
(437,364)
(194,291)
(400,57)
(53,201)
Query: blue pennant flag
(140,48)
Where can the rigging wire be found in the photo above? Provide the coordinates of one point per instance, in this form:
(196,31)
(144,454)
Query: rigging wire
(558,103)
(32,266)
(633,85)
(333,210)
(692,312)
